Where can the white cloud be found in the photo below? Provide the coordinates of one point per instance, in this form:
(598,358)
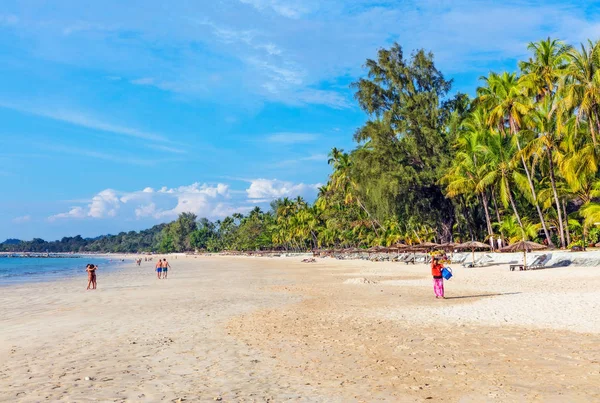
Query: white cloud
(168,149)
(285,8)
(306,48)
(90,122)
(291,162)
(261,190)
(285,75)
(83,26)
(224,209)
(195,198)
(201,199)
(332,99)
(75,212)
(249,37)
(204,200)
(81,152)
(22,219)
(291,138)
(81,119)
(104,204)
(146,210)
(315,157)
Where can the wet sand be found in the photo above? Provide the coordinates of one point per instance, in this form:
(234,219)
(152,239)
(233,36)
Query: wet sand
(275,329)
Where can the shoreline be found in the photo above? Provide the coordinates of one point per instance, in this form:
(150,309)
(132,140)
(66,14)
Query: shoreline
(52,273)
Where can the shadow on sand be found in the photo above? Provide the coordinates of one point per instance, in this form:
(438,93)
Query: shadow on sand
(483,295)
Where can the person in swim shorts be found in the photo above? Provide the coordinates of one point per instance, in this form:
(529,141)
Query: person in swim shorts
(159,269)
(165,267)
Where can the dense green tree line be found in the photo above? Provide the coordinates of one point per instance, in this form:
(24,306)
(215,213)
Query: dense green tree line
(132,241)
(517,161)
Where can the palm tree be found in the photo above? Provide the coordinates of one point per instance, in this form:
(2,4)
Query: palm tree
(580,88)
(334,156)
(342,181)
(542,72)
(466,176)
(286,207)
(499,165)
(508,104)
(543,122)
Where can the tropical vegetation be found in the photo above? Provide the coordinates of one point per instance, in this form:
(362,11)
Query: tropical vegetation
(519,160)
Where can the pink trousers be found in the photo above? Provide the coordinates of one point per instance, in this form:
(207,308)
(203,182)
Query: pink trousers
(438,287)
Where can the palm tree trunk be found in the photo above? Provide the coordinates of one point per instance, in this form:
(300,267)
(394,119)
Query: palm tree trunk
(514,207)
(314,238)
(594,121)
(496,206)
(556,200)
(487,219)
(466,214)
(373,222)
(534,195)
(564,205)
(501,242)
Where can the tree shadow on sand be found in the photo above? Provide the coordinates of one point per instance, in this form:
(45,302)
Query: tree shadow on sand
(483,295)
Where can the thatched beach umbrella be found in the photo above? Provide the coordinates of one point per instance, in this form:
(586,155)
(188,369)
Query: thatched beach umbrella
(448,246)
(472,245)
(427,246)
(376,249)
(524,246)
(397,247)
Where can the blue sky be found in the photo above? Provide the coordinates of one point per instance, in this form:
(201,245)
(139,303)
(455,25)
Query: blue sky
(117,115)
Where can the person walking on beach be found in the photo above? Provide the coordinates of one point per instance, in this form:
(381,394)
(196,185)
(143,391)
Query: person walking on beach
(159,268)
(438,280)
(165,267)
(91,270)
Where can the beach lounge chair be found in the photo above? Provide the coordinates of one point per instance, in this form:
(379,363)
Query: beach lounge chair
(537,263)
(482,261)
(519,266)
(459,258)
(540,262)
(421,259)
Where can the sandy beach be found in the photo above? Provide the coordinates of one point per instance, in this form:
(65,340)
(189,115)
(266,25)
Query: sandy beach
(274,329)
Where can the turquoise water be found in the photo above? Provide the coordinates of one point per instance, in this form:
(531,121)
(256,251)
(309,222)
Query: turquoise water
(21,270)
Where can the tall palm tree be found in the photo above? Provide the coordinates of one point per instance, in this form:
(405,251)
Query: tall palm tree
(542,121)
(500,168)
(542,72)
(508,104)
(466,176)
(343,181)
(580,88)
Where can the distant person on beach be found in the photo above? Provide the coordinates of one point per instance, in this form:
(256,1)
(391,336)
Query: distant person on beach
(91,270)
(438,280)
(165,267)
(159,268)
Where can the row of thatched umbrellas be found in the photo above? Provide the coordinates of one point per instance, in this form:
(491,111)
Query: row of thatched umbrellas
(521,246)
